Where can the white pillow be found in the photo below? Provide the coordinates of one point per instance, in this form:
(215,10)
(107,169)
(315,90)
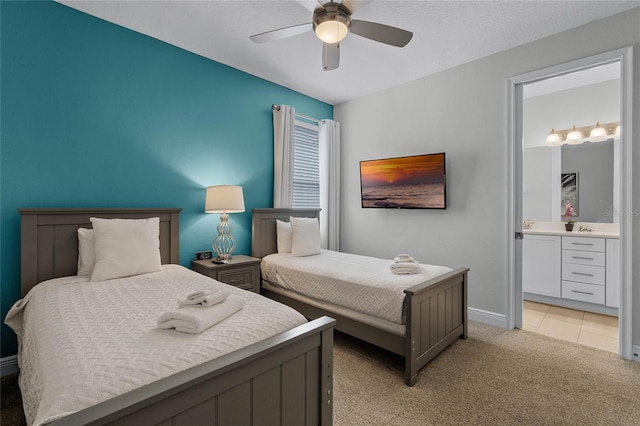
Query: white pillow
(125,247)
(283,236)
(86,254)
(305,236)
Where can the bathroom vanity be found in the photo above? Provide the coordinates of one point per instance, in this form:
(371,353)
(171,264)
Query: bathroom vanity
(579,270)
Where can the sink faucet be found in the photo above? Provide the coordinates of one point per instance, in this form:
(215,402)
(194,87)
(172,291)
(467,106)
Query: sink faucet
(526,224)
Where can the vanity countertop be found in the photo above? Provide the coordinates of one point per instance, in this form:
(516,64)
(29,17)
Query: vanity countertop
(574,233)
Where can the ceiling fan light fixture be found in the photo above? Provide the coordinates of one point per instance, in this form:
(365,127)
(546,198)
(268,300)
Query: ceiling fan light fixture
(331,25)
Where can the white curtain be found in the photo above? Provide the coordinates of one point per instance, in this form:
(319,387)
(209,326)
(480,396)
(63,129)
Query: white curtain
(329,136)
(283,122)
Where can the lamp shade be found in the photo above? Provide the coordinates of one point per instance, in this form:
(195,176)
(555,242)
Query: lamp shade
(224,199)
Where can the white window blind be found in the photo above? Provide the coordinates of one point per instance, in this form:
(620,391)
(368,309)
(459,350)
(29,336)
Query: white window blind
(306,166)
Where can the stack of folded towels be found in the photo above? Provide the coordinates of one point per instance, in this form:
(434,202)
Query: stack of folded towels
(201,310)
(404,264)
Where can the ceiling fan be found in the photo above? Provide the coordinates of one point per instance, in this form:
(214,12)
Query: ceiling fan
(331,23)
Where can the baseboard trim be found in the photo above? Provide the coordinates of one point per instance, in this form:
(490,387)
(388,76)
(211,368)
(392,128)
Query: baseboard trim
(8,365)
(487,317)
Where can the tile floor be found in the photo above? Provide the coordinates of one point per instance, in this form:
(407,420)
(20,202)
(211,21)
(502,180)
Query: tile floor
(586,328)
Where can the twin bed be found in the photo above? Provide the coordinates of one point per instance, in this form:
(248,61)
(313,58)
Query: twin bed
(90,352)
(418,323)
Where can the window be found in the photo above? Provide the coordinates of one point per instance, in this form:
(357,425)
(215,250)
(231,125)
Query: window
(306,166)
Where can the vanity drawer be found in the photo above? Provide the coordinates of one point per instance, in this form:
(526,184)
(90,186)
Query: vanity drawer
(583,273)
(583,257)
(584,292)
(583,243)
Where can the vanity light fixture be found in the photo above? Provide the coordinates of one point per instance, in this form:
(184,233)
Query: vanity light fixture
(574,137)
(598,133)
(553,139)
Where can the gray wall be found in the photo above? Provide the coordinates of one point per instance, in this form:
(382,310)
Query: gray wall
(463,111)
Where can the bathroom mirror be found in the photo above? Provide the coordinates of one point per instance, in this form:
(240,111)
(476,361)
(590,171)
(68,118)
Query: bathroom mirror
(581,99)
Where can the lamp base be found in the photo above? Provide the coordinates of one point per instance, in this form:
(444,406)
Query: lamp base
(224,244)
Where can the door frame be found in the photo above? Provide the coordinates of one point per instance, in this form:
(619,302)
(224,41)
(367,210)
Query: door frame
(514,182)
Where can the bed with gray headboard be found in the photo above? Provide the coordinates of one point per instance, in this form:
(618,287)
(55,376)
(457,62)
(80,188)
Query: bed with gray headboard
(435,310)
(284,379)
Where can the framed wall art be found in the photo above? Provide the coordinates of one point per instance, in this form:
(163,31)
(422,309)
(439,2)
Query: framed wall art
(569,191)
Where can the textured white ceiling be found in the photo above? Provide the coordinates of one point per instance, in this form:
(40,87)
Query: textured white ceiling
(446,34)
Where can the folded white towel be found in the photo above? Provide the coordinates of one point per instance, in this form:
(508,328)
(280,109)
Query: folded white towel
(405,268)
(196,320)
(201,293)
(404,258)
(206,300)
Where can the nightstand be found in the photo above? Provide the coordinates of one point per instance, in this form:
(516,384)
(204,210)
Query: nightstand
(241,271)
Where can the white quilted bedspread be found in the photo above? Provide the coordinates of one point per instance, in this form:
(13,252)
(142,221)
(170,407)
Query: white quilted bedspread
(361,283)
(84,342)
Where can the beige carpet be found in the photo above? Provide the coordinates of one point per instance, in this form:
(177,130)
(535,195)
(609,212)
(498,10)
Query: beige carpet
(496,377)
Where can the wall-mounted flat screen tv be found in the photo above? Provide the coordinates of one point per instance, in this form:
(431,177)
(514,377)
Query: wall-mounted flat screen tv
(413,182)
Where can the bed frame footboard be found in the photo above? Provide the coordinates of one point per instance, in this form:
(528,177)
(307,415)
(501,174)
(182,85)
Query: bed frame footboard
(286,379)
(436,313)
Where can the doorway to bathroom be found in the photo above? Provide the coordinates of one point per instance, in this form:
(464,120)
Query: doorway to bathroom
(571,251)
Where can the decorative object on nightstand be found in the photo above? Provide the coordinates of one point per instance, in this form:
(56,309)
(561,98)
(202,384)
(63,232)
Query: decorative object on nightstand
(241,271)
(224,199)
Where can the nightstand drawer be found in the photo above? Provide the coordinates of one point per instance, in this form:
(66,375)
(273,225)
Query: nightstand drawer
(237,277)
(240,271)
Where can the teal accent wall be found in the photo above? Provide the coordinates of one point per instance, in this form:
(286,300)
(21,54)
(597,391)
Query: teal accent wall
(96,115)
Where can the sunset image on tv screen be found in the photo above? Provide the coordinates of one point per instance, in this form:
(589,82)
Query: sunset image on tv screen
(416,182)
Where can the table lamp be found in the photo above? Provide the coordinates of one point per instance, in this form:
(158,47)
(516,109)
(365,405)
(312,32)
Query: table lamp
(224,199)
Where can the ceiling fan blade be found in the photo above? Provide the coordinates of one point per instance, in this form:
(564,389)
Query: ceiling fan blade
(381,33)
(310,5)
(281,33)
(330,56)
(354,5)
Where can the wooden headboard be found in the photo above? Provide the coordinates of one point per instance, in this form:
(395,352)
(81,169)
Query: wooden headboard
(49,239)
(263,230)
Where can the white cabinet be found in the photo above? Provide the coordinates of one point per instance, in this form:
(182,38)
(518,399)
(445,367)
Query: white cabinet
(612,296)
(541,266)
